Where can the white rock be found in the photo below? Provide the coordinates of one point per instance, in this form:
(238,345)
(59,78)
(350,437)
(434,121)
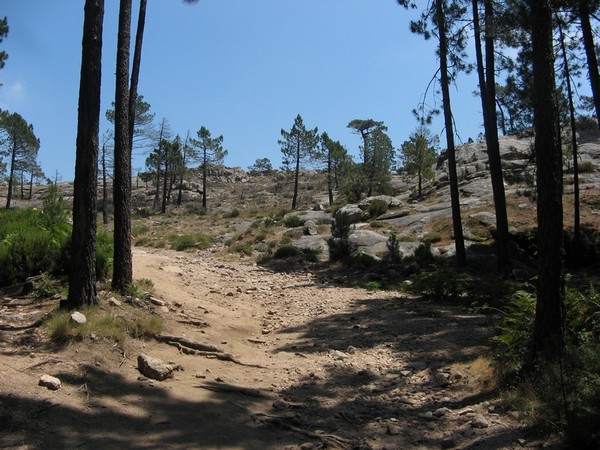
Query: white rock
(50,382)
(78,318)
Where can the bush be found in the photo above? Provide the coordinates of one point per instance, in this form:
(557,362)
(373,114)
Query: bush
(586,167)
(393,255)
(292,221)
(286,251)
(30,244)
(340,247)
(377,208)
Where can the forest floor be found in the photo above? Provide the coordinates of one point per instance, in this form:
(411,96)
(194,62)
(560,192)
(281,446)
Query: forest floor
(316,364)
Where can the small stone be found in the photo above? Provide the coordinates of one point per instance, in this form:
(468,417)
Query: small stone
(449,442)
(351,350)
(49,382)
(393,430)
(78,318)
(337,355)
(478,421)
(114,302)
(440,380)
(307,446)
(154,368)
(441,412)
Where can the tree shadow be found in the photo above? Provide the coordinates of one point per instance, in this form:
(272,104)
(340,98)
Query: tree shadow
(394,374)
(154,417)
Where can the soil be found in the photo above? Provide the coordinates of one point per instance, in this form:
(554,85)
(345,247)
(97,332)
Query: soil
(317,365)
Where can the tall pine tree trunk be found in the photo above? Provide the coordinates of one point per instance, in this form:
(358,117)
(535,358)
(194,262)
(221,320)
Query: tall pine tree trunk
(461,257)
(576,203)
(487,86)
(123,265)
(135,69)
(590,52)
(296,176)
(82,277)
(550,313)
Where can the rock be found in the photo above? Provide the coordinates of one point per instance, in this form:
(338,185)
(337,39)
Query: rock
(353,212)
(49,382)
(336,354)
(154,368)
(393,430)
(449,442)
(440,412)
(394,214)
(310,228)
(307,446)
(440,379)
(114,302)
(478,421)
(154,300)
(78,318)
(391,201)
(369,242)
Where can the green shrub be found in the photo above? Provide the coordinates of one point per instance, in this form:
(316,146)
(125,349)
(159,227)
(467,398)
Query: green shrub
(432,237)
(104,255)
(586,167)
(139,230)
(185,241)
(393,255)
(286,251)
(377,207)
(340,247)
(292,221)
(443,282)
(232,214)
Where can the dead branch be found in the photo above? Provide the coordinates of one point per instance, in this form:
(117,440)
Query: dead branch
(188,343)
(284,422)
(230,388)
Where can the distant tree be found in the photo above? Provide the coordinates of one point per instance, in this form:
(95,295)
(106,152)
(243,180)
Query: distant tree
(209,151)
(297,146)
(381,158)
(123,260)
(366,128)
(172,161)
(332,152)
(3,33)
(549,327)
(19,143)
(187,153)
(419,154)
(82,277)
(143,121)
(35,173)
(106,166)
(261,165)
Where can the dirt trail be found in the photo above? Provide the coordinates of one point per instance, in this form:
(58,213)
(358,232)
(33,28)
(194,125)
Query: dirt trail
(323,366)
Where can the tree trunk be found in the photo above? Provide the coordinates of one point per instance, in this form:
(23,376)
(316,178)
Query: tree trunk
(576,212)
(135,69)
(590,52)
(82,277)
(550,312)
(329,179)
(487,86)
(204,176)
(11,176)
(461,257)
(30,187)
(123,266)
(163,208)
(296,176)
(104,193)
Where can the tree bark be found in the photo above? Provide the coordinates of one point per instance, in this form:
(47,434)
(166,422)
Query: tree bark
(11,176)
(550,313)
(82,278)
(123,265)
(135,69)
(461,257)
(487,86)
(296,175)
(590,52)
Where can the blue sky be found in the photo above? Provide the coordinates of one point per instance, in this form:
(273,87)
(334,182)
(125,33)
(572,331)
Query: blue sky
(241,68)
